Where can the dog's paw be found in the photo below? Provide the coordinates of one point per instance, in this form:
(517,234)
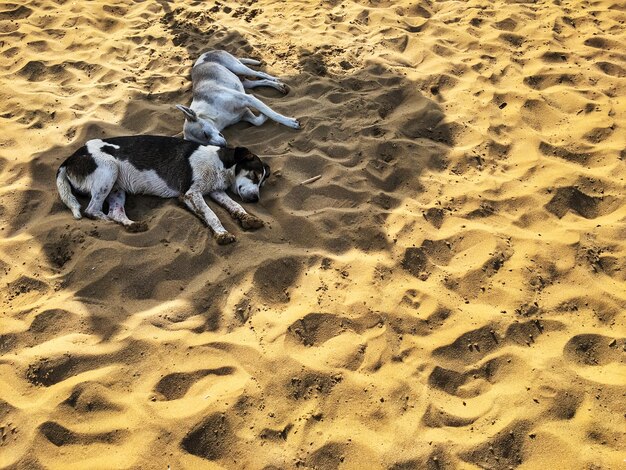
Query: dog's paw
(137,227)
(250,222)
(225,238)
(294,124)
(97,215)
(282,87)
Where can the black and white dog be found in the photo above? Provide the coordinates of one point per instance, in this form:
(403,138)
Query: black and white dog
(167,167)
(220,100)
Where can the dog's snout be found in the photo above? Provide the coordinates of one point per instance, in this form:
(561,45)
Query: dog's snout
(253,198)
(220,141)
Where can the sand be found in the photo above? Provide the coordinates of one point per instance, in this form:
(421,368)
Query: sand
(450,294)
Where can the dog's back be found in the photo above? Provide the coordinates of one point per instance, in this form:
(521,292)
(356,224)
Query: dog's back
(211,70)
(217,57)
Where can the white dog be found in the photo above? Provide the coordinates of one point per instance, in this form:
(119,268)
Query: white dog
(166,167)
(220,100)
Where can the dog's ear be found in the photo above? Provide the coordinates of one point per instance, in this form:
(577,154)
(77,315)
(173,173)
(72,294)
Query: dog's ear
(267,170)
(188,112)
(242,153)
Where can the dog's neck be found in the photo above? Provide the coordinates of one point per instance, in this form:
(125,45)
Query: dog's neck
(207,118)
(203,116)
(227,157)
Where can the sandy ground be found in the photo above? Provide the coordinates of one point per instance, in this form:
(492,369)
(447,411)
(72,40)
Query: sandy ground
(450,294)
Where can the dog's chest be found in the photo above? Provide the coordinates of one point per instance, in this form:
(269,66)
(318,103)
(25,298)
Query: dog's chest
(220,104)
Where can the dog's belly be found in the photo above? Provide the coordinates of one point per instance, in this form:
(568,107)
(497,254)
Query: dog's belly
(135,181)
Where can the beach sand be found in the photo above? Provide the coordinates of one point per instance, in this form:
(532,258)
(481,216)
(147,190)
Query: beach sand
(450,294)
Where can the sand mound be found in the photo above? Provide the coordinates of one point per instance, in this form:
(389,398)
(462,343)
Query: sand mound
(449,294)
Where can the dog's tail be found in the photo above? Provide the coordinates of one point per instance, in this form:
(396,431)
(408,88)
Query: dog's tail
(247,61)
(65,191)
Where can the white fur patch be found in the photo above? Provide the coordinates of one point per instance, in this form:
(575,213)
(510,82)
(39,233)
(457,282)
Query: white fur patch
(94,147)
(209,173)
(135,181)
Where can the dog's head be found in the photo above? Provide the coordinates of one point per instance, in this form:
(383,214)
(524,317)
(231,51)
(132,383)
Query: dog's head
(197,129)
(250,175)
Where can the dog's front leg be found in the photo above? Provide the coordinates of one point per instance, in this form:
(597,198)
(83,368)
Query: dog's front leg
(196,203)
(247,221)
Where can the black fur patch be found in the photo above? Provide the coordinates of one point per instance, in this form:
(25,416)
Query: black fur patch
(227,156)
(242,153)
(236,156)
(167,156)
(108,149)
(252,164)
(246,160)
(80,164)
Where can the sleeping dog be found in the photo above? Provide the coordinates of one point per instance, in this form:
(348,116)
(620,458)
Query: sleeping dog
(219,99)
(167,167)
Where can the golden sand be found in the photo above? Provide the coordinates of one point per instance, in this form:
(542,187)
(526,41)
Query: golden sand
(450,294)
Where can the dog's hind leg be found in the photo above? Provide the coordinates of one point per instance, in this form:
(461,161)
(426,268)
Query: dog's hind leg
(253,119)
(241,69)
(246,220)
(101,183)
(238,67)
(254,102)
(117,213)
(248,61)
(280,86)
(195,202)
